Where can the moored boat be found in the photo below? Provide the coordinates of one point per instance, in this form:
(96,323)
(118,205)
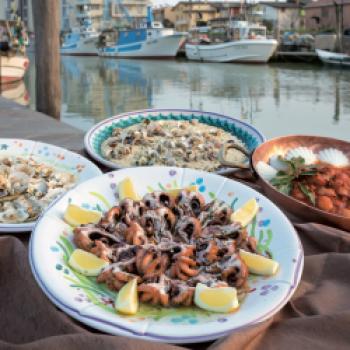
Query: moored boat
(13,60)
(12,68)
(81,41)
(144,43)
(244,42)
(338,59)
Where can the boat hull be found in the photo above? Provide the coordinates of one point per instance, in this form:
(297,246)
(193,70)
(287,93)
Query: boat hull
(253,51)
(336,59)
(161,47)
(12,68)
(81,48)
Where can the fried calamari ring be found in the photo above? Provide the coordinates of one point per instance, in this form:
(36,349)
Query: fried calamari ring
(181,294)
(187,229)
(235,271)
(115,278)
(150,263)
(85,237)
(207,251)
(183,268)
(153,223)
(168,216)
(155,293)
(135,234)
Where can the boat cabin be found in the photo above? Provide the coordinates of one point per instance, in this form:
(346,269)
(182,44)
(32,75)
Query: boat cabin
(219,31)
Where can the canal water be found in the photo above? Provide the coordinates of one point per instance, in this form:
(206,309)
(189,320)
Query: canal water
(278,99)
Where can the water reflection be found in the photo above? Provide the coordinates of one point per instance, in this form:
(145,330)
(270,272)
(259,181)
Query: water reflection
(279,99)
(16,92)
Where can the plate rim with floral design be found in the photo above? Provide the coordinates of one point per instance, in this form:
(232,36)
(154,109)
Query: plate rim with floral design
(254,135)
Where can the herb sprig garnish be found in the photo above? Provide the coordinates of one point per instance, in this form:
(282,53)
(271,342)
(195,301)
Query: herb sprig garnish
(295,169)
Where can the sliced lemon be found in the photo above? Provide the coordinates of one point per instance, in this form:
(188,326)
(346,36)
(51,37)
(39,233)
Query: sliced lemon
(127,301)
(258,264)
(216,299)
(175,192)
(75,216)
(245,214)
(86,263)
(126,189)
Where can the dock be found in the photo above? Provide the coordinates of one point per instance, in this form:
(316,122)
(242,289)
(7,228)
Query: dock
(305,56)
(17,121)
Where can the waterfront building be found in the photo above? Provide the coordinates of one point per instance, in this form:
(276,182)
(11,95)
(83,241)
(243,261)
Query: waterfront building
(279,16)
(227,12)
(92,10)
(68,16)
(165,15)
(103,13)
(189,14)
(132,13)
(321,15)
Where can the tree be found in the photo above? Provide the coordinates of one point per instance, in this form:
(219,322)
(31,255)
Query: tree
(46,14)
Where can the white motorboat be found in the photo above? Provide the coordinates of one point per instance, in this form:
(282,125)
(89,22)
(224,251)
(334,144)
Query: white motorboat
(144,43)
(339,59)
(247,43)
(12,68)
(81,41)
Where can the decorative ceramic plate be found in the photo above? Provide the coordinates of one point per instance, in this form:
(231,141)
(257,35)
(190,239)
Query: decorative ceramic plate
(94,138)
(54,156)
(92,303)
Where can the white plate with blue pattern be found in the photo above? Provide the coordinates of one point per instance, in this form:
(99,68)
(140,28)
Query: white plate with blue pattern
(54,156)
(94,138)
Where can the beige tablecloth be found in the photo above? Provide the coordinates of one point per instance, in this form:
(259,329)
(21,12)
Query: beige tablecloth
(317,317)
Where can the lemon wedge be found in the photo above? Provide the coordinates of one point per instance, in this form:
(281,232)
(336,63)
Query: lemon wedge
(216,299)
(126,189)
(127,301)
(75,216)
(245,214)
(258,264)
(86,263)
(175,192)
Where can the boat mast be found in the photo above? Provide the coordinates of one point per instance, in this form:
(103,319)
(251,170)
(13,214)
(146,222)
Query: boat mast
(339,24)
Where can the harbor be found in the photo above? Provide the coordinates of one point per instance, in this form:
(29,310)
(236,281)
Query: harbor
(275,97)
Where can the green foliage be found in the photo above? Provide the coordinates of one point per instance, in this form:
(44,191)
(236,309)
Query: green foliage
(296,169)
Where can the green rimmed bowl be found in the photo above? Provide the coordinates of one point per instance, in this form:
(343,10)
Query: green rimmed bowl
(249,135)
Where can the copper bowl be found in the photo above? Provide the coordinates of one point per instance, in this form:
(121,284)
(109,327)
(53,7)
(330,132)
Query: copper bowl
(281,145)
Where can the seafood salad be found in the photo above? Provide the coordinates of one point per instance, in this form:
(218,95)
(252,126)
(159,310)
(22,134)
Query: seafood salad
(169,142)
(321,180)
(169,244)
(27,187)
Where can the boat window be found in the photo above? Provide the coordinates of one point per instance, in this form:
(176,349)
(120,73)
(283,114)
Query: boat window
(149,33)
(256,33)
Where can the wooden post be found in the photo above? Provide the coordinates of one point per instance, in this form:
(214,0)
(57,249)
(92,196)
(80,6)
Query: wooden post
(46,14)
